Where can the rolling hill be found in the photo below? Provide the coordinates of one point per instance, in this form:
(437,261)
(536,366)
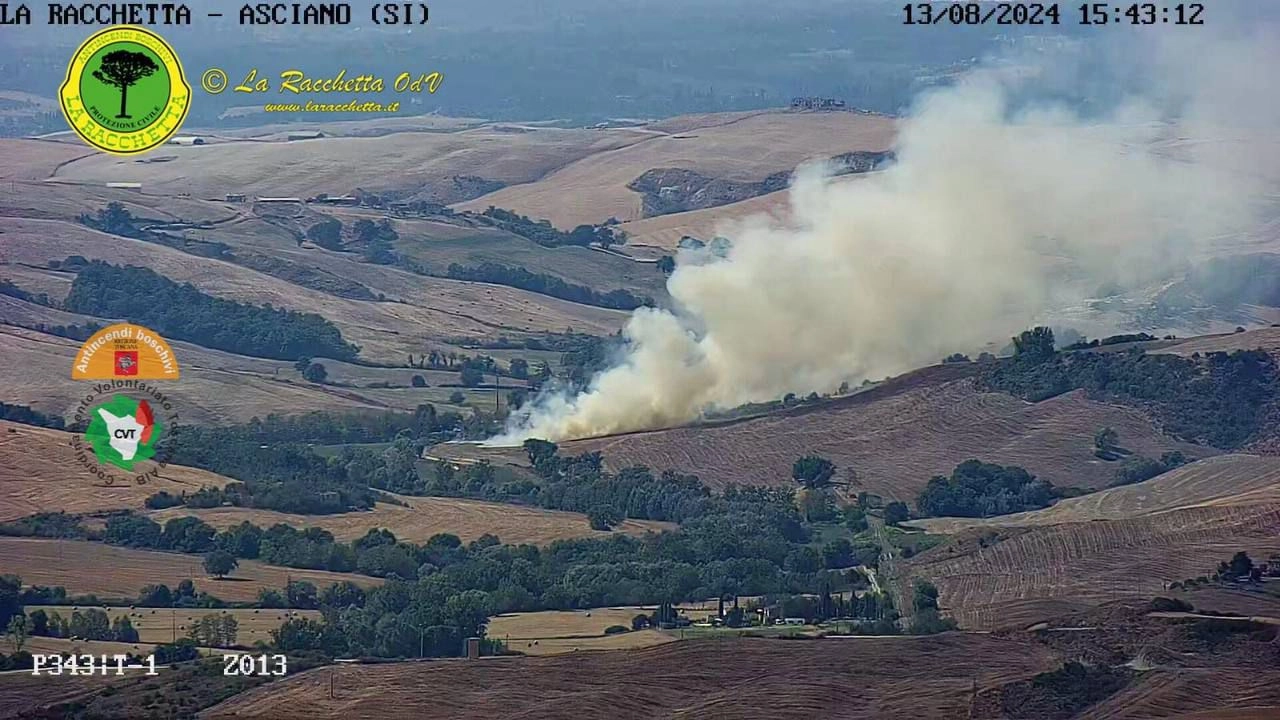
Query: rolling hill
(736,146)
(893,438)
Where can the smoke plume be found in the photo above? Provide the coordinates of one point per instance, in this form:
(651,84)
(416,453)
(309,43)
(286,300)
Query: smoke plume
(999,208)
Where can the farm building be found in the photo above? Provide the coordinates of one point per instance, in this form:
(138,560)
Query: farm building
(187,140)
(236,197)
(305,135)
(125,185)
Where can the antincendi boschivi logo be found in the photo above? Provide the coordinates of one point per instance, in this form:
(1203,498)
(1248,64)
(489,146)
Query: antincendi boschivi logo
(125,92)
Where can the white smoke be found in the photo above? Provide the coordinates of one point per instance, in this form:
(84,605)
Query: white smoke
(992,215)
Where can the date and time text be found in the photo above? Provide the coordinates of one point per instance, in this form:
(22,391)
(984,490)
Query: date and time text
(1016,13)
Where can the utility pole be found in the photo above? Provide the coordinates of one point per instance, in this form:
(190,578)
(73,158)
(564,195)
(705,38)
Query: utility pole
(497,387)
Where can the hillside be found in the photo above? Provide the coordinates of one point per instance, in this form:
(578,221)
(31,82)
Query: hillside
(1223,481)
(1016,577)
(39,473)
(847,678)
(896,438)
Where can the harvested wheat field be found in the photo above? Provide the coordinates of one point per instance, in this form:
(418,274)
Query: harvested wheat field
(743,148)
(554,632)
(740,678)
(560,623)
(39,472)
(1031,574)
(158,625)
(1225,480)
(896,437)
(110,571)
(427,516)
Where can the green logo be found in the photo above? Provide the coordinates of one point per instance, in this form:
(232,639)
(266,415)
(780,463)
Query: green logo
(124,92)
(123,431)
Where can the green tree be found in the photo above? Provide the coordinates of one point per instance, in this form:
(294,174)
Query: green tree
(301,594)
(1106,438)
(220,563)
(1035,345)
(326,234)
(18,630)
(315,373)
(122,630)
(10,597)
(519,368)
(471,376)
(457,398)
(603,517)
(92,624)
(896,512)
(123,69)
(38,622)
(813,471)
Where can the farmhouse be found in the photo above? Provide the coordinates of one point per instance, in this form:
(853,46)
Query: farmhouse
(187,140)
(125,185)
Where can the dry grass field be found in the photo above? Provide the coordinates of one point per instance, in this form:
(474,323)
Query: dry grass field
(1226,480)
(1194,694)
(426,516)
(39,473)
(738,146)
(560,623)
(117,572)
(1032,574)
(743,679)
(158,625)
(896,437)
(339,165)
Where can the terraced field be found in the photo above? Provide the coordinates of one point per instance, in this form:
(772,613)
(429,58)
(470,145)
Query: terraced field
(1031,574)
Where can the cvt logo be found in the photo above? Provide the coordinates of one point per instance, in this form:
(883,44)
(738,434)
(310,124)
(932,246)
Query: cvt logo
(123,431)
(125,92)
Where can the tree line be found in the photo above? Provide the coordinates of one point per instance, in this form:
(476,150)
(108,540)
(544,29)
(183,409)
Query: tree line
(1220,399)
(180,311)
(542,283)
